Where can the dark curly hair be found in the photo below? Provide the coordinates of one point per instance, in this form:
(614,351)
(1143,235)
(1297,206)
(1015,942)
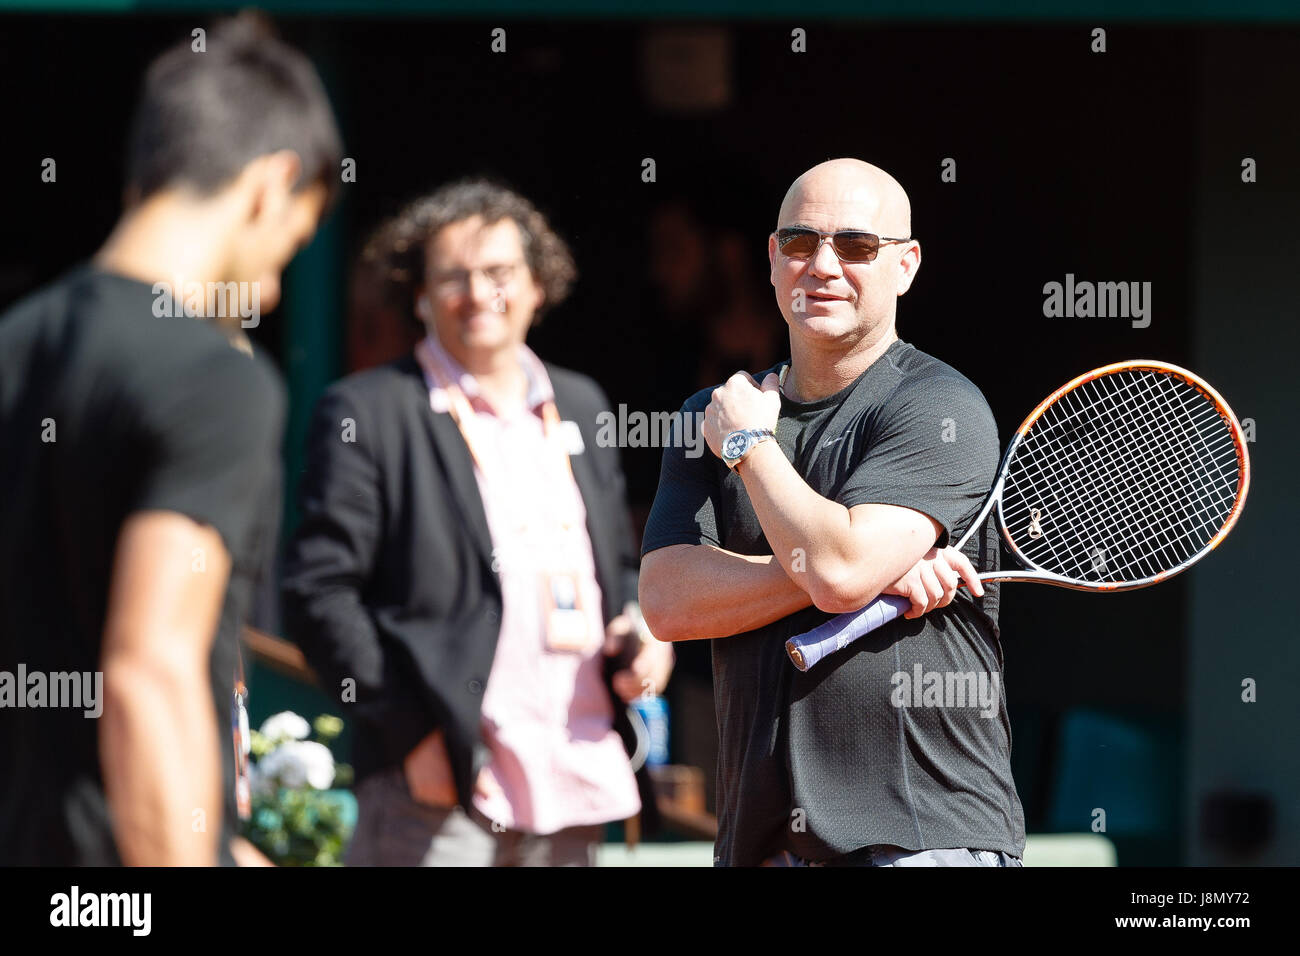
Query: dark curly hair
(396,249)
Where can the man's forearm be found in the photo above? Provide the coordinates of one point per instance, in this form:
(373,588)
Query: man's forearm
(803,528)
(842,558)
(691,592)
(158,744)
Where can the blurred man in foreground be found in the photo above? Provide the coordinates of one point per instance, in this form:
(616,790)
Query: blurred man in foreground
(140,452)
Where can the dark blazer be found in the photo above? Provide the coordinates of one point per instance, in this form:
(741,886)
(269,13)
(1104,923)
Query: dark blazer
(389,580)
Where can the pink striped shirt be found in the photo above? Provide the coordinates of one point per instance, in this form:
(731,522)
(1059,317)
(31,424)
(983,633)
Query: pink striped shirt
(555,760)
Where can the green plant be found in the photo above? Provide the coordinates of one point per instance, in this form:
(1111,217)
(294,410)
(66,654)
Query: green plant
(296,820)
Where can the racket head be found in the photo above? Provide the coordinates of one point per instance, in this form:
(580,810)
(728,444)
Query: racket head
(1122,478)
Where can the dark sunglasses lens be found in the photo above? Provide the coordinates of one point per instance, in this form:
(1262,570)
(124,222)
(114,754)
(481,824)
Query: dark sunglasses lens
(797,243)
(857,246)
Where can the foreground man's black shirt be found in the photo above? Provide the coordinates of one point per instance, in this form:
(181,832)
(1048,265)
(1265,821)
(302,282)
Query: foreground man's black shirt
(107,409)
(825,763)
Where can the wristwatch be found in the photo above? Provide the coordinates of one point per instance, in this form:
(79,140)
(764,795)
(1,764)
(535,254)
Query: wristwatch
(739,444)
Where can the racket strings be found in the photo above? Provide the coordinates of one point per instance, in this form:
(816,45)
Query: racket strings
(1110,497)
(1166,523)
(1210,423)
(1111,489)
(1112,485)
(1128,476)
(1215,489)
(1167,491)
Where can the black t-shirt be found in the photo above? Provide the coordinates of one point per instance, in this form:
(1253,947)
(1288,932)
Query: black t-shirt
(824,763)
(107,409)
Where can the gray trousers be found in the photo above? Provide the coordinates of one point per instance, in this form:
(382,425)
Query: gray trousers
(881,855)
(395,830)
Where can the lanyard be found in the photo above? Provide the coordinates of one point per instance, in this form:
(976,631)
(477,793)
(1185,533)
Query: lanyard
(463,414)
(239,717)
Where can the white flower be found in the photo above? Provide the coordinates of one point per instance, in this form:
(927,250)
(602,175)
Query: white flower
(286,725)
(299,763)
(259,782)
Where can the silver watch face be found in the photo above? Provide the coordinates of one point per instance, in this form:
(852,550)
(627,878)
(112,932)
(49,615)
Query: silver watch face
(736,444)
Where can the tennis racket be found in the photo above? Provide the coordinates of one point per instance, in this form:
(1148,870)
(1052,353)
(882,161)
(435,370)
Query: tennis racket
(1120,479)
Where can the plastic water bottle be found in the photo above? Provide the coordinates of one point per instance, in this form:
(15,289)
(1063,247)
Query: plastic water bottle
(654,713)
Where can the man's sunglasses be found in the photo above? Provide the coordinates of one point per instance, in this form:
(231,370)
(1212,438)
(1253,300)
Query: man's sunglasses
(849,245)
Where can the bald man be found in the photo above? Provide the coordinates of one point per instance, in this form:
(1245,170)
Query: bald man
(837,476)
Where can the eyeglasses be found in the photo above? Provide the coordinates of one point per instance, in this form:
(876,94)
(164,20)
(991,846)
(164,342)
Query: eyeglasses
(849,245)
(452,281)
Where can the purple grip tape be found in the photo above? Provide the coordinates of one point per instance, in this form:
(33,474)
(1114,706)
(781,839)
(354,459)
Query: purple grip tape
(808,648)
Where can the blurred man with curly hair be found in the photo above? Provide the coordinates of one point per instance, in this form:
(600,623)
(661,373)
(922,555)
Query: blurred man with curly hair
(465,563)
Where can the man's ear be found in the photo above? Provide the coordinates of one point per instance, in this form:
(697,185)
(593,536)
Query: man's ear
(771,258)
(908,264)
(423,310)
(285,169)
(539,296)
(272,179)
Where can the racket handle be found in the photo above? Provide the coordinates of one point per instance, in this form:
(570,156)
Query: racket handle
(808,648)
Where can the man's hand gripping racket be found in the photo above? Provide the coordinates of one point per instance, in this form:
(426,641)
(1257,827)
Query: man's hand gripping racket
(1120,479)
